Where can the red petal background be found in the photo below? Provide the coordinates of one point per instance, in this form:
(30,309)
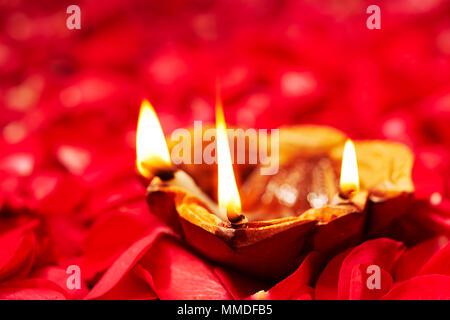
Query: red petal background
(69,102)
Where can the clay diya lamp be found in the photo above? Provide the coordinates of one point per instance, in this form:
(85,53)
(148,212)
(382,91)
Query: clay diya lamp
(276,231)
(310,186)
(218,231)
(307,184)
(385,171)
(305,189)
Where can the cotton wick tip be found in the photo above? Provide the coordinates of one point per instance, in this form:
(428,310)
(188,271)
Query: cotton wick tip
(165,174)
(237,219)
(346,194)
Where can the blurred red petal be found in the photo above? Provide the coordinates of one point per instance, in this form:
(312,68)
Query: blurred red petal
(59,276)
(21,163)
(295,286)
(104,172)
(109,197)
(74,159)
(55,193)
(179,274)
(431,219)
(382,252)
(303,293)
(327,283)
(66,235)
(426,287)
(359,283)
(17,251)
(415,257)
(410,228)
(439,263)
(102,246)
(130,287)
(101,48)
(123,264)
(31,289)
(436,113)
(238,285)
(305,274)
(427,172)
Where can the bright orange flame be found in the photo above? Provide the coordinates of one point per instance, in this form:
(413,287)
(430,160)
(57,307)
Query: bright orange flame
(349,170)
(151,147)
(228,194)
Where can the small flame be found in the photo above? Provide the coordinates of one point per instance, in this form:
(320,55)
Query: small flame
(228,194)
(349,171)
(151,147)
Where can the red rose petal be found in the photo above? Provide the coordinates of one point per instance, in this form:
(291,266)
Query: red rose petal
(107,198)
(31,289)
(436,113)
(143,274)
(17,251)
(238,285)
(359,286)
(131,221)
(431,219)
(415,257)
(426,287)
(439,263)
(61,106)
(179,274)
(18,164)
(10,244)
(55,193)
(305,274)
(11,188)
(124,264)
(59,276)
(426,174)
(74,159)
(105,172)
(23,259)
(327,283)
(130,287)
(66,234)
(303,293)
(382,252)
(409,228)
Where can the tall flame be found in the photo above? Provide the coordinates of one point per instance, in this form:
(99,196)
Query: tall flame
(151,147)
(228,194)
(349,170)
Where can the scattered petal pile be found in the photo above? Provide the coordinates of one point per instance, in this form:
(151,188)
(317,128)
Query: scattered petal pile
(70,198)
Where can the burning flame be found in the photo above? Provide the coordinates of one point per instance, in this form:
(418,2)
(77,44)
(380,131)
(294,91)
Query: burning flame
(228,194)
(151,147)
(349,170)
